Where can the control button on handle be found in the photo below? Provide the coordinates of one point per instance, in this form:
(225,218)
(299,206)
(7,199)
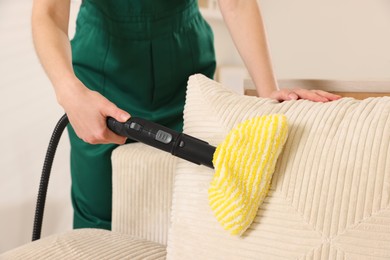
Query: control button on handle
(135,126)
(163,137)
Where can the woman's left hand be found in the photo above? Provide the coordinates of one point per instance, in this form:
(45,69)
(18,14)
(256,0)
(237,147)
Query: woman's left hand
(299,93)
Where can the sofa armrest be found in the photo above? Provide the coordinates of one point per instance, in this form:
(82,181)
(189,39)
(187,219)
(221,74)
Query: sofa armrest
(142,191)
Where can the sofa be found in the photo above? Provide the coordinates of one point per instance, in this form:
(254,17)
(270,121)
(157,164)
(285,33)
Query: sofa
(329,197)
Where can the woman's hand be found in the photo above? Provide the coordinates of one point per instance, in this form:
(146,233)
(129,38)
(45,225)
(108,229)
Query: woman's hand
(88,111)
(298,93)
(245,24)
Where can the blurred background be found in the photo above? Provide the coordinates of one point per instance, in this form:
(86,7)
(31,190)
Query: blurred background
(332,39)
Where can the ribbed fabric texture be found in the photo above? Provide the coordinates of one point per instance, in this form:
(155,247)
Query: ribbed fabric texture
(88,244)
(330,192)
(244,163)
(142,191)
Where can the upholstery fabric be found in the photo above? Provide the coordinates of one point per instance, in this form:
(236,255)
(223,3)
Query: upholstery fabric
(142,191)
(330,192)
(88,244)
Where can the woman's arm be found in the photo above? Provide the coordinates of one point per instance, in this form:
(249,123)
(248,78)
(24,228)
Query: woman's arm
(245,23)
(87,110)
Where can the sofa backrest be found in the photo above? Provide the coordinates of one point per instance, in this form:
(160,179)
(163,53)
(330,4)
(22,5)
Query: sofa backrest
(330,193)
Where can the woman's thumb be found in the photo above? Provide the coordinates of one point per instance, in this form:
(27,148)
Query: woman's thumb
(119,114)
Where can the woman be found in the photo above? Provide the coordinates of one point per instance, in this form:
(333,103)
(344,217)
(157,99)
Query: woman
(134,57)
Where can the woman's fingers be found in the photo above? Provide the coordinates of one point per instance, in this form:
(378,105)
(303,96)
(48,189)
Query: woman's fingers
(88,111)
(284,95)
(328,95)
(299,93)
(310,95)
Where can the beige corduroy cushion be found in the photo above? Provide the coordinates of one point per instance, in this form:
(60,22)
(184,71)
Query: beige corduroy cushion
(88,244)
(142,191)
(330,193)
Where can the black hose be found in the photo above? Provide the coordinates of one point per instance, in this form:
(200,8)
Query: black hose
(50,153)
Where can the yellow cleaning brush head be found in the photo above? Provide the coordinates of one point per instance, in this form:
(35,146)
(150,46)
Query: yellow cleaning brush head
(244,164)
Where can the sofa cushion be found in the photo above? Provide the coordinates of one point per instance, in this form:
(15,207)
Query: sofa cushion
(88,244)
(142,179)
(330,192)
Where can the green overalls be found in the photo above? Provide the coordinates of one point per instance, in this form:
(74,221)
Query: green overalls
(139,54)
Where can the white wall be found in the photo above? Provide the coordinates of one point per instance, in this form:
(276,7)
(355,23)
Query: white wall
(339,39)
(332,39)
(318,39)
(28,112)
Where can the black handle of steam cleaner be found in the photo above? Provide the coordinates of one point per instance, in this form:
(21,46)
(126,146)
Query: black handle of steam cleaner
(166,139)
